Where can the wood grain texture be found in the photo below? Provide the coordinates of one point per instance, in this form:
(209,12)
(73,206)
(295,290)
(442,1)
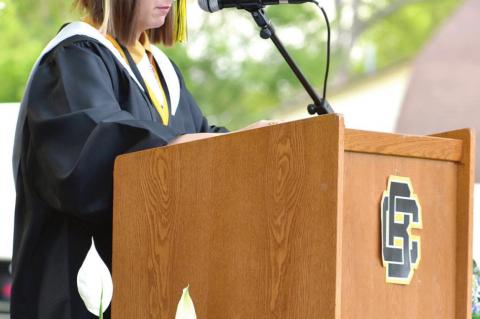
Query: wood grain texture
(464,223)
(248,220)
(431,293)
(284,222)
(428,147)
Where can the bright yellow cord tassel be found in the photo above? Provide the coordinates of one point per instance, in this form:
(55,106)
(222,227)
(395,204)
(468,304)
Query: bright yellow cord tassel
(181,21)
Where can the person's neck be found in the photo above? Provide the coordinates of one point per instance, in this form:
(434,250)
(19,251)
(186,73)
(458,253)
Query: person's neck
(138,34)
(137,37)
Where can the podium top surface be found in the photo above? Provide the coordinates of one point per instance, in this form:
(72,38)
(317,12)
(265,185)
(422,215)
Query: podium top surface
(441,146)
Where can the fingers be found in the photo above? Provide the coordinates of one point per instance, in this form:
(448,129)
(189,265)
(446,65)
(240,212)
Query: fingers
(261,123)
(275,122)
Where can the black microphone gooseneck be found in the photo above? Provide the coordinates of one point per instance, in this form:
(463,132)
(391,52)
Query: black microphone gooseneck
(312,109)
(320,106)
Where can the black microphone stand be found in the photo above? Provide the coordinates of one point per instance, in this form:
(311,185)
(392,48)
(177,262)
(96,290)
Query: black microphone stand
(320,106)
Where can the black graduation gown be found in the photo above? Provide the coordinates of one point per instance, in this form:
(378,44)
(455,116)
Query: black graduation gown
(84,109)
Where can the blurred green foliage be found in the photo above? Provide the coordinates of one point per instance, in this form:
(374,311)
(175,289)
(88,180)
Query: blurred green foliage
(235,91)
(404,33)
(25,28)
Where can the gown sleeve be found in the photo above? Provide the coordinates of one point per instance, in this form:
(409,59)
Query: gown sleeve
(201,121)
(77,128)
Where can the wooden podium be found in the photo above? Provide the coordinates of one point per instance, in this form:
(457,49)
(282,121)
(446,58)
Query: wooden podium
(285,222)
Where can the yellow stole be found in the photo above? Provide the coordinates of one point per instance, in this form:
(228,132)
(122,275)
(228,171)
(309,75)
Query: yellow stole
(142,47)
(138,51)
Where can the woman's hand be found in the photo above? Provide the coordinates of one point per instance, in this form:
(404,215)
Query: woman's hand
(200,136)
(192,137)
(261,123)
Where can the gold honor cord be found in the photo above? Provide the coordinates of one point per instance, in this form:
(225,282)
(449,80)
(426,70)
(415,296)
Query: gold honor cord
(162,108)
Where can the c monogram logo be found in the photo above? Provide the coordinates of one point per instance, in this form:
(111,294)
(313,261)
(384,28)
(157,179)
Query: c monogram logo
(401,212)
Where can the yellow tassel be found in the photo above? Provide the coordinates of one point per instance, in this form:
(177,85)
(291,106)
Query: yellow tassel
(181,21)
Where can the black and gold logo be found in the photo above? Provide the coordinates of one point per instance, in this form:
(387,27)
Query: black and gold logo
(401,212)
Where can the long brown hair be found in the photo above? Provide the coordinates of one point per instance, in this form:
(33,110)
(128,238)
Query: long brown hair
(118,19)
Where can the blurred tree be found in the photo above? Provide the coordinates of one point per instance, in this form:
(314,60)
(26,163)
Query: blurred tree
(235,76)
(25,28)
(15,56)
(393,29)
(240,78)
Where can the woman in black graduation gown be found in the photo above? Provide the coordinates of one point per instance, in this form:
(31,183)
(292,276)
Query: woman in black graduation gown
(87,101)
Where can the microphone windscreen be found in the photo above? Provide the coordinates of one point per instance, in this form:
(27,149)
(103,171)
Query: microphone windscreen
(209,5)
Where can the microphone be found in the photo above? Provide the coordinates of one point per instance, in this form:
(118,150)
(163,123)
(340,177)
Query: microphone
(216,5)
(320,106)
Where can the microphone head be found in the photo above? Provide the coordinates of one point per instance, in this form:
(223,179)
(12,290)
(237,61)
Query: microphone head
(209,5)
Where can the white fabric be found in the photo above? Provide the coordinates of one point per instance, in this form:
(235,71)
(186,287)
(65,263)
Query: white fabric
(82,28)
(148,74)
(169,75)
(164,63)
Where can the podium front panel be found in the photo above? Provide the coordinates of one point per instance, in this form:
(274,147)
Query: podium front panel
(248,221)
